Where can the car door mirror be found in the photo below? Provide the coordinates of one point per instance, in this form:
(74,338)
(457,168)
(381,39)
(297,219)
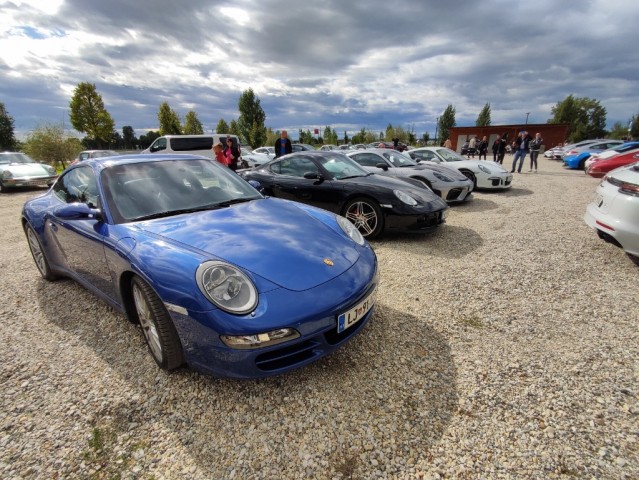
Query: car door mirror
(314,176)
(77,211)
(383,166)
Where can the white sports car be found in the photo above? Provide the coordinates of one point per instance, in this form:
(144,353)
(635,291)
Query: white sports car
(483,174)
(614,212)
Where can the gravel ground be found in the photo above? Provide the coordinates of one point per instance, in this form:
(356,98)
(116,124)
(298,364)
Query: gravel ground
(503,346)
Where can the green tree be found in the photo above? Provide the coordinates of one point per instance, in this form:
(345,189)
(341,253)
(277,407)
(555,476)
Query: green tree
(330,136)
(147,139)
(128,137)
(169,120)
(426,138)
(222,127)
(445,123)
(88,115)
(271,137)
(234,129)
(634,126)
(345,138)
(251,119)
(619,131)
(483,120)
(7,138)
(192,124)
(50,143)
(587,118)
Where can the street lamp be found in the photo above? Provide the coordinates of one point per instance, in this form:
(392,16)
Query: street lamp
(436,125)
(527,113)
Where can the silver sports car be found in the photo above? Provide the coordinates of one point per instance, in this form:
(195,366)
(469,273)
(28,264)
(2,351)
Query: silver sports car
(451,185)
(20,170)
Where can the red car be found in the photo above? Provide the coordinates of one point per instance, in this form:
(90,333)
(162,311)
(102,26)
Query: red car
(599,168)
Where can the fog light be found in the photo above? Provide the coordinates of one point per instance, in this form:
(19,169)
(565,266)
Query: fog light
(259,340)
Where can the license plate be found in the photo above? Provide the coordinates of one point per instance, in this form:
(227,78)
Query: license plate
(355,314)
(598,200)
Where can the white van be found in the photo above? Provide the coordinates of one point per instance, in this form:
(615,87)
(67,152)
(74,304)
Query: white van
(193,144)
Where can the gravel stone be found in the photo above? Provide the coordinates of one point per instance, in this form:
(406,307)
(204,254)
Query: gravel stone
(504,345)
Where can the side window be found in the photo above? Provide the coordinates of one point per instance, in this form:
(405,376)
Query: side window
(367,159)
(297,167)
(188,144)
(276,167)
(78,185)
(158,145)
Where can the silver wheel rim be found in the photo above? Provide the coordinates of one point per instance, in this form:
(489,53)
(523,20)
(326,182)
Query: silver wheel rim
(363,216)
(36,251)
(146,322)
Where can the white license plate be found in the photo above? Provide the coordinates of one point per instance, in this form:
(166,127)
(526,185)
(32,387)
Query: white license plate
(598,200)
(355,314)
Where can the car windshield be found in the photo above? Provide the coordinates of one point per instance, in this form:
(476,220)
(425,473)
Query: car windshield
(450,156)
(7,158)
(399,159)
(104,153)
(145,190)
(340,166)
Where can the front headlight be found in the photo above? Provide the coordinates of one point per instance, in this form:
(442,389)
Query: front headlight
(443,178)
(227,287)
(6,174)
(350,230)
(51,170)
(405,197)
(484,169)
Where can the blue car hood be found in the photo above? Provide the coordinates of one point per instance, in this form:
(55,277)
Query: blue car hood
(281,241)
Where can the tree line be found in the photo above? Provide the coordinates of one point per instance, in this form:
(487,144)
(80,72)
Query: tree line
(52,144)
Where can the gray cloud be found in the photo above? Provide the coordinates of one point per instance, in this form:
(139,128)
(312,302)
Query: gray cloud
(349,65)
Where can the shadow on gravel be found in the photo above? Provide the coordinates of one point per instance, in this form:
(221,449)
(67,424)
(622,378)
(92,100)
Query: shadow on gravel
(516,192)
(384,398)
(477,204)
(449,241)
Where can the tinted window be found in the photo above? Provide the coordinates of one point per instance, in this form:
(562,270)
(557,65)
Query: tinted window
(78,185)
(367,159)
(187,144)
(158,145)
(297,166)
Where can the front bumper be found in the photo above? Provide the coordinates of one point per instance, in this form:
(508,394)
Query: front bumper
(29,181)
(313,313)
(497,182)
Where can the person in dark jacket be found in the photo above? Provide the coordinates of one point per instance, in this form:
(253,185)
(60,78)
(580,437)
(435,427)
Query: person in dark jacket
(521,144)
(535,147)
(499,149)
(232,153)
(482,147)
(283,145)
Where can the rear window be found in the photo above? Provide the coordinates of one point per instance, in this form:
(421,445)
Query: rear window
(190,144)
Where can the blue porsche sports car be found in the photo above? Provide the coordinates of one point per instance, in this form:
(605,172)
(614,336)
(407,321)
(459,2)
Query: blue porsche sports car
(219,277)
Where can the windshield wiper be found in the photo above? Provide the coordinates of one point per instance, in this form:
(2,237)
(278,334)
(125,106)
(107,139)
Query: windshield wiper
(212,206)
(228,203)
(356,176)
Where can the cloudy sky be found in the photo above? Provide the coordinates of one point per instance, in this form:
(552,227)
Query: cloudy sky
(346,64)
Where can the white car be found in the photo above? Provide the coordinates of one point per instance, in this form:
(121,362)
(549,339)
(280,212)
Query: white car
(611,152)
(270,151)
(483,174)
(614,212)
(20,170)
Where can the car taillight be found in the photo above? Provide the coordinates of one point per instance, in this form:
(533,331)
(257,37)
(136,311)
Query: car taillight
(629,189)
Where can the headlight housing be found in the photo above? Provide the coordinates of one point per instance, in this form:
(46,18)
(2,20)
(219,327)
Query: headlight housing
(6,174)
(442,177)
(350,230)
(484,169)
(227,287)
(51,170)
(405,197)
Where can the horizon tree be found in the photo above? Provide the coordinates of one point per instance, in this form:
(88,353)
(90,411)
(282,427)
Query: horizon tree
(251,120)
(50,143)
(192,124)
(88,115)
(586,116)
(7,130)
(483,119)
(222,127)
(445,123)
(169,120)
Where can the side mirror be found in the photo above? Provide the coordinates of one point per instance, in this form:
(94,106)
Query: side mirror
(314,176)
(77,211)
(383,166)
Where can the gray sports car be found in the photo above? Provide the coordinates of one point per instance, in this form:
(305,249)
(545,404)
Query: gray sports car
(451,185)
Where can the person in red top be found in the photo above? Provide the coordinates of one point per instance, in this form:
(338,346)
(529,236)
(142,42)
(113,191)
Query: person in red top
(219,154)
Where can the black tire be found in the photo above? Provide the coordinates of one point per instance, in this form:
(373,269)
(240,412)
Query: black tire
(39,257)
(366,215)
(157,326)
(470,176)
(582,165)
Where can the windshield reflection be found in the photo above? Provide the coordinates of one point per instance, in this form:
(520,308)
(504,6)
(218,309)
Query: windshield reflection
(145,190)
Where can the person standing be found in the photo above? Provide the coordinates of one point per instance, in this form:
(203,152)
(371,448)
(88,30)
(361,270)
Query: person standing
(232,154)
(472,146)
(535,146)
(283,145)
(448,144)
(483,147)
(520,145)
(219,153)
(499,150)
